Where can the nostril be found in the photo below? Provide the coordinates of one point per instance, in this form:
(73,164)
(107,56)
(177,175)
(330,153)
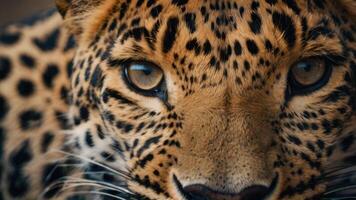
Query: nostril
(199,192)
(202,192)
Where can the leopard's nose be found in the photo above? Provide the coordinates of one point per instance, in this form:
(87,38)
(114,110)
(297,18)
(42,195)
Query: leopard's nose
(201,192)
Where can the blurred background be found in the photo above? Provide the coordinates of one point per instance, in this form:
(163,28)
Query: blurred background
(14,10)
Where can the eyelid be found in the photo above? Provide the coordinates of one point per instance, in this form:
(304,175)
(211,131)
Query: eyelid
(329,58)
(321,50)
(121,62)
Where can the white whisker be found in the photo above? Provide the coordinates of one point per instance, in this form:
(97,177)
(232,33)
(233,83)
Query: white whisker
(122,174)
(340,189)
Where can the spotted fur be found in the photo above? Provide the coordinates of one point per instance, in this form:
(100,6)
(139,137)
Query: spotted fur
(72,128)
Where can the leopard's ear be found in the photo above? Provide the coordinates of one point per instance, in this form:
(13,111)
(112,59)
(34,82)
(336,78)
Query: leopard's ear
(75,12)
(62,6)
(68,8)
(350,7)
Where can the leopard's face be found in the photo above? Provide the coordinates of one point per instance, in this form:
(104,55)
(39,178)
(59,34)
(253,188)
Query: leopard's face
(213,99)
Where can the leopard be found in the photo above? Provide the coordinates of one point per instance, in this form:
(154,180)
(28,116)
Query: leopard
(180,100)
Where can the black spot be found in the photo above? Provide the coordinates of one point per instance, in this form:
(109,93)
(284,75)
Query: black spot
(65,95)
(292,4)
(96,78)
(8,38)
(51,173)
(139,3)
(225,53)
(237,48)
(255,24)
(70,44)
(327,126)
(170,34)
(317,31)
(116,146)
(46,141)
(25,88)
(247,65)
(179,2)
(5,67)
(147,144)
(252,47)
(347,142)
(110,93)
(156,172)
(89,139)
(18,184)
(62,120)
(100,132)
(189,19)
(255,5)
(21,156)
(207,47)
(146,159)
(4,108)
(27,61)
(126,127)
(320,144)
(107,156)
(30,119)
(272,2)
(123,10)
(294,140)
(155,11)
(193,45)
(150,3)
(285,25)
(49,42)
(268,46)
(84,113)
(69,68)
(49,75)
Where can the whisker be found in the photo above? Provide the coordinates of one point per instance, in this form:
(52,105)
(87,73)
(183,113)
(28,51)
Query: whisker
(99,193)
(340,189)
(121,173)
(100,182)
(85,183)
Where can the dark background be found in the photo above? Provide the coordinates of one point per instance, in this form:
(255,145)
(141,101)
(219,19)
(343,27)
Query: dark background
(15,10)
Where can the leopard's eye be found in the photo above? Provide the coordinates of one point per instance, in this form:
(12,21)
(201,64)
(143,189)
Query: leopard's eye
(308,75)
(144,77)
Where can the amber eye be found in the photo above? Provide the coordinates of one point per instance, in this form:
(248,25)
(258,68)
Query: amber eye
(144,77)
(308,75)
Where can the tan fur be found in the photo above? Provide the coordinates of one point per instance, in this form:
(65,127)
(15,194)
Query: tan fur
(228,135)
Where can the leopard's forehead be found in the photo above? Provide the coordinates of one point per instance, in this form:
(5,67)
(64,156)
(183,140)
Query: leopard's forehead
(238,41)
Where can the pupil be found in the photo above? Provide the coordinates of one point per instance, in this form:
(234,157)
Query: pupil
(147,71)
(306,67)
